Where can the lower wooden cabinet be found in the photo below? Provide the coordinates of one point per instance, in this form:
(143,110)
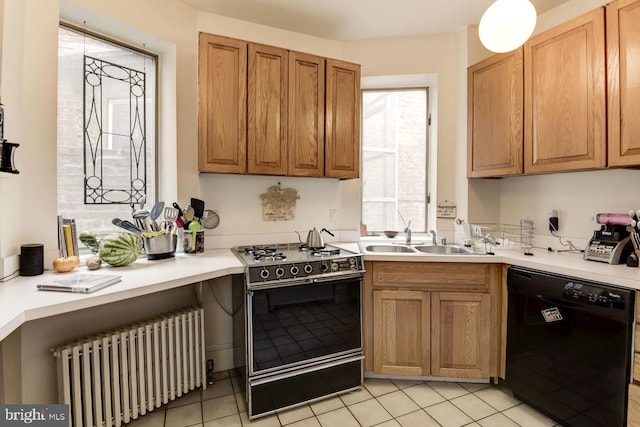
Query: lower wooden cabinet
(432,319)
(460,334)
(401,330)
(633,412)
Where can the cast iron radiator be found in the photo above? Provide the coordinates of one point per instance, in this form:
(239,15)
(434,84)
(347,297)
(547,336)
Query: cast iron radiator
(119,375)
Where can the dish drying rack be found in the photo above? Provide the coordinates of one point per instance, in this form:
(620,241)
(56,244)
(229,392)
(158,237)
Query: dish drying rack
(485,237)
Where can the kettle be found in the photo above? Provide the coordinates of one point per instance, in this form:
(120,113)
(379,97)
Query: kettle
(314,238)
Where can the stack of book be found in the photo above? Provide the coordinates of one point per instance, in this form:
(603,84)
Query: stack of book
(67,237)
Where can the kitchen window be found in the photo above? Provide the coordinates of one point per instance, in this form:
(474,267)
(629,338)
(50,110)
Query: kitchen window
(106,129)
(394,159)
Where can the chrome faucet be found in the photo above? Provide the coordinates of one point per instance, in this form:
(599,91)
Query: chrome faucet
(434,238)
(408,231)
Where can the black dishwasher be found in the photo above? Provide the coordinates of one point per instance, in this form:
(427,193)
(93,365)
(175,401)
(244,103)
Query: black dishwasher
(569,347)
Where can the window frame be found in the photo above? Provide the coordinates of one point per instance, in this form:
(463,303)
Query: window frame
(398,87)
(153,107)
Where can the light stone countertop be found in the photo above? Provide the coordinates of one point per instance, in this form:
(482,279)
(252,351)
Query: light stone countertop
(565,263)
(20,301)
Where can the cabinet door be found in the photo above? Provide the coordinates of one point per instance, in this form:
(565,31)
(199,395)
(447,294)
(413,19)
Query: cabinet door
(306,114)
(460,335)
(401,332)
(222,104)
(495,116)
(623,57)
(633,413)
(267,111)
(342,120)
(565,114)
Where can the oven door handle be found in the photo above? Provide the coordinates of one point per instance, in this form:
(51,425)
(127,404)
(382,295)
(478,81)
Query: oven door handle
(296,372)
(294,282)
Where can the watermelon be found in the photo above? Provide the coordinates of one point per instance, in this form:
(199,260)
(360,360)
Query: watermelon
(120,249)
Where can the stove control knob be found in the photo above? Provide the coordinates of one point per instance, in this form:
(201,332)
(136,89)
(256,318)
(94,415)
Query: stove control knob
(335,266)
(308,268)
(279,272)
(264,273)
(294,270)
(324,267)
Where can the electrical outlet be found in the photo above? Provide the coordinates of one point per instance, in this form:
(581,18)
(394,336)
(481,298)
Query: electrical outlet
(333,216)
(553,220)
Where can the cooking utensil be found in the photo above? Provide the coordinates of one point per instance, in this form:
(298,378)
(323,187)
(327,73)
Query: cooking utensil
(177,206)
(125,225)
(188,213)
(156,210)
(194,227)
(143,221)
(153,233)
(210,219)
(315,240)
(168,226)
(198,207)
(170,213)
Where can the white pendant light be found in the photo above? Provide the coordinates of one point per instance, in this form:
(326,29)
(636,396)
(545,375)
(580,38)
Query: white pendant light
(507,24)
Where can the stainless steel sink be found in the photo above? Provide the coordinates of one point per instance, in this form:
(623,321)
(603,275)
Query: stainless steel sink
(388,248)
(446,250)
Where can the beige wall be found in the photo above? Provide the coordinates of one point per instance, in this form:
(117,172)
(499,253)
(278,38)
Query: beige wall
(434,56)
(29,365)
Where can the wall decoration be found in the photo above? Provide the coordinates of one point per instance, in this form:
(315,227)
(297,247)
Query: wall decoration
(279,204)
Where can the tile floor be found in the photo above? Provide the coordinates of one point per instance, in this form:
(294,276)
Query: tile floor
(383,403)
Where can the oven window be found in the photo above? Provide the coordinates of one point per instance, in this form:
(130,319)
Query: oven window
(295,324)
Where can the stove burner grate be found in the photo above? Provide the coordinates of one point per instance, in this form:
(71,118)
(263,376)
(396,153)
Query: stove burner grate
(324,252)
(264,257)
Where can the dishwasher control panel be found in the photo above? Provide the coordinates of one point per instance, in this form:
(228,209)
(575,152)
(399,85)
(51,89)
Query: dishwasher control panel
(590,294)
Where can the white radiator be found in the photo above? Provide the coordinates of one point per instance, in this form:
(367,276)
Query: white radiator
(112,378)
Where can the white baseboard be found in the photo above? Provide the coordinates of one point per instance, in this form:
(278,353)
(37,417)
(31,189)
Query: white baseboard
(222,355)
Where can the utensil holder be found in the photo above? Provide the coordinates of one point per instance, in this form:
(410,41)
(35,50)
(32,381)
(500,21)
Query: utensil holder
(193,242)
(160,247)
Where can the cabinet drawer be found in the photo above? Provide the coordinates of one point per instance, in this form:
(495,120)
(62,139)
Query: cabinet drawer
(431,276)
(636,367)
(633,412)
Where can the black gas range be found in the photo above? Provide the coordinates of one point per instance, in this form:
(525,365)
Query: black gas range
(289,263)
(302,323)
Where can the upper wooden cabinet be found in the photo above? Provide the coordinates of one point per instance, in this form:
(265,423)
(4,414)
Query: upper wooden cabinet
(565,100)
(222,105)
(567,92)
(285,113)
(495,116)
(623,57)
(267,110)
(306,114)
(342,120)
